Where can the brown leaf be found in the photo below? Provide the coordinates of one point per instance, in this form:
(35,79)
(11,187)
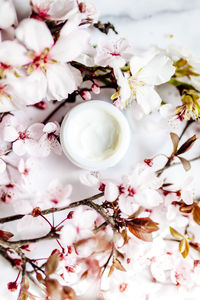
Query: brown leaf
(185,163)
(175,141)
(184,248)
(187,145)
(68,292)
(52,263)
(5,235)
(118,265)
(54,289)
(111,270)
(184,208)
(142,228)
(196,213)
(175,233)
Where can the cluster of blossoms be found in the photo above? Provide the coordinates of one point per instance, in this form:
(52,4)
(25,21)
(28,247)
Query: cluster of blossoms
(138,233)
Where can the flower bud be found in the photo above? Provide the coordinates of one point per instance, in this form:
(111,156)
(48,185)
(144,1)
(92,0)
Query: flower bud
(41,105)
(82,7)
(149,162)
(95,88)
(12,286)
(85,95)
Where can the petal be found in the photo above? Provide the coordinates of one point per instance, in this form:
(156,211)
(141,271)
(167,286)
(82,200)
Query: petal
(159,70)
(89,179)
(13,54)
(7,14)
(68,48)
(147,98)
(50,127)
(35,131)
(62,10)
(71,25)
(111,192)
(19,147)
(68,234)
(34,34)
(10,134)
(29,89)
(2,166)
(61,81)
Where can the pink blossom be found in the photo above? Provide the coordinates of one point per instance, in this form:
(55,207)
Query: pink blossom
(48,58)
(113,53)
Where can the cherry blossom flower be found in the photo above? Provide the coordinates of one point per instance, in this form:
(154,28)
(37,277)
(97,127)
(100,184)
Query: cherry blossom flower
(54,10)
(55,196)
(150,69)
(49,139)
(113,53)
(48,58)
(80,226)
(140,188)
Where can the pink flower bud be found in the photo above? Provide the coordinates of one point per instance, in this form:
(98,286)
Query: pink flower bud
(41,105)
(82,7)
(12,286)
(149,162)
(95,88)
(85,95)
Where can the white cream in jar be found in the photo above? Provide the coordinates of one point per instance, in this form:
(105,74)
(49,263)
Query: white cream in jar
(95,135)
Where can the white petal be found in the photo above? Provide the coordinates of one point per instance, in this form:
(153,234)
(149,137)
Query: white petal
(71,25)
(61,81)
(10,134)
(29,89)
(159,70)
(111,192)
(147,98)
(19,147)
(34,34)
(89,179)
(62,10)
(68,48)
(68,234)
(35,131)
(50,127)
(13,54)
(2,166)
(7,14)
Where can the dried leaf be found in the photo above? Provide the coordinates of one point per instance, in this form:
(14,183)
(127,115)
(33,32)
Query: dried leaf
(52,263)
(118,265)
(175,233)
(184,247)
(187,145)
(185,163)
(68,292)
(5,235)
(175,141)
(196,214)
(54,289)
(184,208)
(142,228)
(111,270)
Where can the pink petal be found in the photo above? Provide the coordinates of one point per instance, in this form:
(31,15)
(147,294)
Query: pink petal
(69,48)
(35,131)
(13,54)
(2,166)
(50,127)
(19,147)
(61,81)
(10,134)
(34,34)
(111,192)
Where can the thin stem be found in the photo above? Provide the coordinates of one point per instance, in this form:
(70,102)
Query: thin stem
(48,211)
(71,98)
(170,159)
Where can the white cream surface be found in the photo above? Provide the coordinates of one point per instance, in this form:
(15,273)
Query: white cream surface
(93,134)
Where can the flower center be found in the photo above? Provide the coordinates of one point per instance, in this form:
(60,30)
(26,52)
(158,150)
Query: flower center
(40,61)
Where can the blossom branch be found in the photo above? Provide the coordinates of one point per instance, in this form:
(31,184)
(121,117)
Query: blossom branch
(50,210)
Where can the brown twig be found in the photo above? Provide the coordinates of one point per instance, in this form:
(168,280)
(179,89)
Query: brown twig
(50,210)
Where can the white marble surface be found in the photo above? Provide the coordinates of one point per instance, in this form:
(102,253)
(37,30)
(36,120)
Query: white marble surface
(144,23)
